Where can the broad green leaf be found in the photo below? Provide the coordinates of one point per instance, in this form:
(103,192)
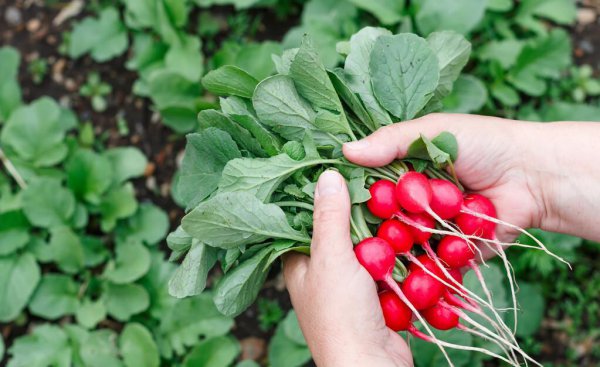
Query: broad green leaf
(544,57)
(10,90)
(230,80)
(559,11)
(125,300)
(495,280)
(118,203)
(461,16)
(452,51)
(404,73)
(89,175)
(241,112)
(239,4)
(238,289)
(47,204)
(104,38)
(148,53)
(500,5)
(47,345)
(99,349)
(429,355)
(127,163)
(216,352)
(66,249)
(185,58)
(563,111)
(358,74)
(36,133)
(90,313)
(441,150)
(504,52)
(286,351)
(94,250)
(206,154)
(132,261)
(340,83)
(137,346)
(279,106)
(56,296)
(148,225)
(19,276)
(190,277)
(505,94)
(243,138)
(14,232)
(187,320)
(388,12)
(179,242)
(245,56)
(531,310)
(259,176)
(233,219)
(468,95)
(291,328)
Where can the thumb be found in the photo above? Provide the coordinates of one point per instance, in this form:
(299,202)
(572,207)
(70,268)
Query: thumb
(331,220)
(392,142)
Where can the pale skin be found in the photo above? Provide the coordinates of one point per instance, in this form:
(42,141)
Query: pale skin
(537,175)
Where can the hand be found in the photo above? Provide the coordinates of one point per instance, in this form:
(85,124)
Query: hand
(537,175)
(334,296)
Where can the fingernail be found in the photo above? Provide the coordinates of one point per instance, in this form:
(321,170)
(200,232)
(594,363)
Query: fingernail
(330,183)
(357,145)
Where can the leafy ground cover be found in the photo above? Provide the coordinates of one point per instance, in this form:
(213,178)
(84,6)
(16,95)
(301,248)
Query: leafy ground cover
(150,60)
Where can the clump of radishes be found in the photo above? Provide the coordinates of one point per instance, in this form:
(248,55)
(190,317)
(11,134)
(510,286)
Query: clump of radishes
(434,217)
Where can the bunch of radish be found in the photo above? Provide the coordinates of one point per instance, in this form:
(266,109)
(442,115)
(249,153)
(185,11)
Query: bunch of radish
(430,288)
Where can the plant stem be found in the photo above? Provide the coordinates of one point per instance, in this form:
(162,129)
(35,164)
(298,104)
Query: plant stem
(297,204)
(359,221)
(12,170)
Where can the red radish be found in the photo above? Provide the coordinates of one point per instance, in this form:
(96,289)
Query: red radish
(422,290)
(377,256)
(455,252)
(424,220)
(446,199)
(382,203)
(397,315)
(428,263)
(396,234)
(413,192)
(457,275)
(440,317)
(473,225)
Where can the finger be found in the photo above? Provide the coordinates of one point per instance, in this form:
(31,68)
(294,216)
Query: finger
(331,220)
(294,271)
(391,142)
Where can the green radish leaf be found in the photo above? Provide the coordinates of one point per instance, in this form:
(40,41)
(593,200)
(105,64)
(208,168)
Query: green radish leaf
(131,263)
(47,204)
(10,90)
(104,38)
(90,313)
(531,312)
(89,175)
(388,12)
(179,242)
(291,328)
(242,113)
(36,133)
(47,345)
(56,296)
(468,95)
(441,150)
(243,138)
(249,56)
(261,176)
(125,300)
(185,58)
(127,163)
(287,347)
(234,219)
(230,80)
(137,346)
(216,352)
(19,276)
(98,348)
(452,51)
(66,250)
(149,225)
(118,203)
(558,11)
(358,74)
(190,277)
(14,232)
(404,74)
(505,52)
(429,355)
(461,16)
(340,83)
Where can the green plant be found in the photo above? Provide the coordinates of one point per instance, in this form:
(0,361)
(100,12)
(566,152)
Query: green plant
(38,69)
(96,90)
(270,313)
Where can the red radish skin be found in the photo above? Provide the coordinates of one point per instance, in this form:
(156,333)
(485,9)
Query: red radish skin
(476,226)
(424,220)
(413,192)
(397,315)
(440,317)
(422,290)
(376,256)
(382,203)
(446,199)
(428,263)
(397,234)
(455,252)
